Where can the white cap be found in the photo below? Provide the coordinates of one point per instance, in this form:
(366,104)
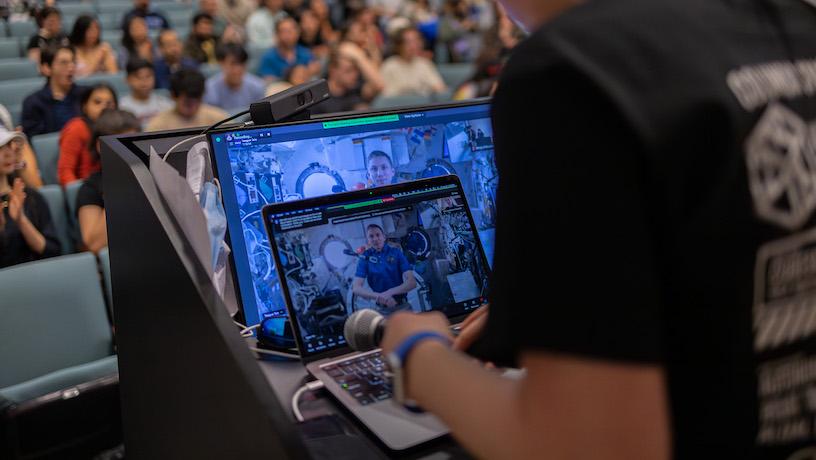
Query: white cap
(6,136)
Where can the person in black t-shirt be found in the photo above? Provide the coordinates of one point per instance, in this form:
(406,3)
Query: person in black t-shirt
(90,201)
(662,155)
(50,35)
(26,230)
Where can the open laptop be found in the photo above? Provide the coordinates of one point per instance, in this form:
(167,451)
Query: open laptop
(291,161)
(371,250)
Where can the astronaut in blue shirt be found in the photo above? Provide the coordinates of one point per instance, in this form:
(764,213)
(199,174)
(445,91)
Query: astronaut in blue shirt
(387,271)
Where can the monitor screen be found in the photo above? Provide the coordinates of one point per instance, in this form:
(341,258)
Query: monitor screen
(413,248)
(258,166)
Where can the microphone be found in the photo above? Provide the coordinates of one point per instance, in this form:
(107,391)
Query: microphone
(364,330)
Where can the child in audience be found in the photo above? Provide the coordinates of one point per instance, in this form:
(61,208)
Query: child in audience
(201,42)
(49,108)
(75,159)
(24,158)
(409,73)
(233,87)
(26,230)
(171,59)
(93,55)
(136,41)
(187,90)
(50,34)
(287,53)
(90,202)
(142,101)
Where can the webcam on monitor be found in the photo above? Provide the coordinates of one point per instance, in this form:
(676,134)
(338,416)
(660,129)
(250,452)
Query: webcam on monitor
(291,104)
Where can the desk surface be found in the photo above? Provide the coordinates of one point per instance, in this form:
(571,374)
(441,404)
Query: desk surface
(286,376)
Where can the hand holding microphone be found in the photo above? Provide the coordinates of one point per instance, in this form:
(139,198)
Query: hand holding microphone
(366,329)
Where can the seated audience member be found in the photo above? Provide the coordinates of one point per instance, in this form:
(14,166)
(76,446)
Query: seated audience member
(50,35)
(370,21)
(237,12)
(48,109)
(296,75)
(171,58)
(153,19)
(233,87)
(75,160)
(24,158)
(323,15)
(295,8)
(26,230)
(457,30)
(347,93)
(408,72)
(90,203)
(219,23)
(311,34)
(93,55)
(201,43)
(187,89)
(142,101)
(260,26)
(287,53)
(356,41)
(136,42)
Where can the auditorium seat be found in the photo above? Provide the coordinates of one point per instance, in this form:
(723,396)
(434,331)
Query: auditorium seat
(13,92)
(71,192)
(76,9)
(21,29)
(55,198)
(117,80)
(59,384)
(9,48)
(46,149)
(18,68)
(114,7)
(455,74)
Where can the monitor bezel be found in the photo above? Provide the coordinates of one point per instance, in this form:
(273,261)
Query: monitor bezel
(337,198)
(318,118)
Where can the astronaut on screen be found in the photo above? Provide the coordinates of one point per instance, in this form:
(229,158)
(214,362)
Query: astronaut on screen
(381,169)
(389,274)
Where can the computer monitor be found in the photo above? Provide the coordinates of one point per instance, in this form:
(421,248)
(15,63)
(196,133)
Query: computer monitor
(346,252)
(292,161)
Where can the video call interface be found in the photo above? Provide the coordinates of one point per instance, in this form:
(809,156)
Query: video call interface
(405,252)
(270,165)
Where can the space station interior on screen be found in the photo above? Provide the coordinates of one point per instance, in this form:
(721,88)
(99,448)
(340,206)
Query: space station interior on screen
(427,253)
(313,167)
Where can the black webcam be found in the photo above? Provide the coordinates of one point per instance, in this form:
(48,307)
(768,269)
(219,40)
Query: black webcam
(289,105)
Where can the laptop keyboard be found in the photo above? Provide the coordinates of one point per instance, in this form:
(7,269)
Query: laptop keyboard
(362,376)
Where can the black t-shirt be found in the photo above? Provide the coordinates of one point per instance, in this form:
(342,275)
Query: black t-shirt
(90,192)
(38,41)
(658,182)
(13,247)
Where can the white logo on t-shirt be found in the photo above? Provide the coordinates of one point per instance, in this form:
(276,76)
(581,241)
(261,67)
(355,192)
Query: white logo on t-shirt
(781,160)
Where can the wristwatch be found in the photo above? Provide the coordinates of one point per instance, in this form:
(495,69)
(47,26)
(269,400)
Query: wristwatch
(397,359)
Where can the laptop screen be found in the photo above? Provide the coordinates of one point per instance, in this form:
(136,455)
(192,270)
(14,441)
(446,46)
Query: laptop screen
(411,247)
(302,160)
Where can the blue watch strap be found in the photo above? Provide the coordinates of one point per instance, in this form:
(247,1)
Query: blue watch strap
(404,349)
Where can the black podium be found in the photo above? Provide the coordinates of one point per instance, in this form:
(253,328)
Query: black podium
(190,386)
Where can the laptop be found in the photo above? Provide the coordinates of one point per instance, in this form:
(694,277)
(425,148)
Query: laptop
(291,161)
(332,251)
